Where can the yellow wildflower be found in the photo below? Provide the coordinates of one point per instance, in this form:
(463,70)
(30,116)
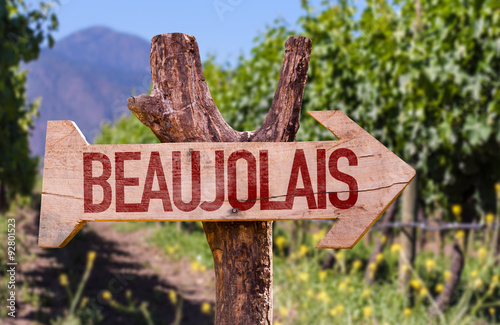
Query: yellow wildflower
(318,236)
(489,218)
(278,323)
(430,265)
(323,296)
(342,286)
(283,311)
(303,276)
(206,308)
(482,254)
(379,258)
(350,290)
(491,310)
(383,239)
(310,293)
(423,292)
(357,264)
(494,280)
(407,312)
(303,250)
(447,275)
(460,235)
(195,266)
(439,287)
(474,274)
(280,242)
(90,258)
(456,209)
(106,295)
(322,275)
(63,279)
(497,188)
(405,268)
(372,267)
(172,295)
(366,293)
(478,283)
(337,310)
(367,311)
(339,255)
(395,248)
(84,302)
(415,284)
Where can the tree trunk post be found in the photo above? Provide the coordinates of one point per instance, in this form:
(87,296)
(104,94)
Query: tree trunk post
(407,253)
(181,109)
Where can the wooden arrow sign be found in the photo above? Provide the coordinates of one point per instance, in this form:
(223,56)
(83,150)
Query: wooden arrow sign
(352,180)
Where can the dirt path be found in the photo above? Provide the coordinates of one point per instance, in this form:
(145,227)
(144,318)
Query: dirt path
(124,262)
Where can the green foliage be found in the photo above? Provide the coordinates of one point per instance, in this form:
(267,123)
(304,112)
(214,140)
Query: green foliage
(23,31)
(424,82)
(304,293)
(423,79)
(126,129)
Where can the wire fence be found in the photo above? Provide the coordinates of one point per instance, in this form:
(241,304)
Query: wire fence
(437,227)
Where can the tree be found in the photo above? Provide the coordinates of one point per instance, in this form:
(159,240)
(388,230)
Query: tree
(23,32)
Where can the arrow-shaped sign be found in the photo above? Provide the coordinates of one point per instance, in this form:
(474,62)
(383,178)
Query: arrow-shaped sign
(353,180)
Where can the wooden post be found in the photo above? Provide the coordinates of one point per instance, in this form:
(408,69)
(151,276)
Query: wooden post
(407,253)
(181,109)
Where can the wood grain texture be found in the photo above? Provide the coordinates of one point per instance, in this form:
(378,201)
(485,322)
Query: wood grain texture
(181,108)
(222,181)
(129,182)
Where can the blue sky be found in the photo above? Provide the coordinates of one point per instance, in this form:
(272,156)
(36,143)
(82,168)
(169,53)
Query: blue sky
(225,28)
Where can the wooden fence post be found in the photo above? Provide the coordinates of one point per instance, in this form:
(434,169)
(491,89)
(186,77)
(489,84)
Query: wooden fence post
(407,237)
(181,109)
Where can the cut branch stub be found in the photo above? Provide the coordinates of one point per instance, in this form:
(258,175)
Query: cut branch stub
(181,109)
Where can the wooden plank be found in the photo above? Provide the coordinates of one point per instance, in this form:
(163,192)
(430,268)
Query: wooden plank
(353,180)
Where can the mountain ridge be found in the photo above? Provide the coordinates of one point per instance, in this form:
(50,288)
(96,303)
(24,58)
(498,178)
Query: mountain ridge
(87,77)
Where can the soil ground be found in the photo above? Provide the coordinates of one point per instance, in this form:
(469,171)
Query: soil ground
(125,261)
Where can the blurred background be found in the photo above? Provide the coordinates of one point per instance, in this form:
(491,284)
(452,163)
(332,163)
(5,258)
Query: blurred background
(422,76)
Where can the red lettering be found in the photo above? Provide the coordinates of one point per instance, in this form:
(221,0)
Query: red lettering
(265,203)
(89,181)
(219,184)
(321,176)
(155,167)
(122,181)
(348,179)
(252,180)
(195,181)
(300,165)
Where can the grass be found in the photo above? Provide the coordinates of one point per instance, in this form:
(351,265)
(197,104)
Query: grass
(306,294)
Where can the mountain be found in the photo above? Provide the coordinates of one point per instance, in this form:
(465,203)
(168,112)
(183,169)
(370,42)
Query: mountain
(87,78)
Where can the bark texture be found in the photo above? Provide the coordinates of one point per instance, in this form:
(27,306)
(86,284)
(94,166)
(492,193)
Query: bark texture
(457,259)
(181,109)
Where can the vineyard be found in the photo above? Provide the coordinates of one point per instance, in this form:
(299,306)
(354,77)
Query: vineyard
(422,77)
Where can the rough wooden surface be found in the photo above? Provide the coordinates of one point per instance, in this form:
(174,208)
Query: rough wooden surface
(181,108)
(352,180)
